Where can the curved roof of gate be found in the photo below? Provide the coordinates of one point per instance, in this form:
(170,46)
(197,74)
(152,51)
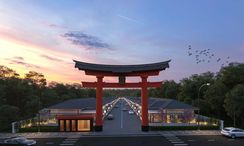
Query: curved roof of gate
(122,68)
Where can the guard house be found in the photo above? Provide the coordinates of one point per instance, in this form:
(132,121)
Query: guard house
(122,71)
(75,115)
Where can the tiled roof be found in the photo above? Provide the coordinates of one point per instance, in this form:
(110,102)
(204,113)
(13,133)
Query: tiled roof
(122,68)
(163,103)
(153,103)
(82,103)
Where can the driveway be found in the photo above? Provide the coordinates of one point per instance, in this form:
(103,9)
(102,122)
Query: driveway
(123,122)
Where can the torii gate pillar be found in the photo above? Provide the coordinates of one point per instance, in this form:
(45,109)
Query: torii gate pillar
(99,104)
(144,104)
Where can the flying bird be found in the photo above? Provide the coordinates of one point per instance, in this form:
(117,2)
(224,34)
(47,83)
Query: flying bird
(189,47)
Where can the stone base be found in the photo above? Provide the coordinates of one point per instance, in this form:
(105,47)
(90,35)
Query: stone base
(98,128)
(145,128)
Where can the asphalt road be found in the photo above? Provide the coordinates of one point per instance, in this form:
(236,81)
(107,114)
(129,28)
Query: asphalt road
(144,141)
(212,140)
(49,141)
(123,122)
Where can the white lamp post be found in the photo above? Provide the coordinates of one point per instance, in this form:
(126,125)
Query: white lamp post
(206,84)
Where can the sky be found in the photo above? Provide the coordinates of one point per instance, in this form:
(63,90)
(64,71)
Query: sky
(47,35)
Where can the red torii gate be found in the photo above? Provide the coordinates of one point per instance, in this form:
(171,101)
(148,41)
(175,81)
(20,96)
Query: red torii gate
(101,71)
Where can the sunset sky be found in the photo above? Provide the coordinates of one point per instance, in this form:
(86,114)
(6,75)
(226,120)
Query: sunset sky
(46,35)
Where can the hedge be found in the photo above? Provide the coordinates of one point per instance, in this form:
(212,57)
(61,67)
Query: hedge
(42,129)
(159,128)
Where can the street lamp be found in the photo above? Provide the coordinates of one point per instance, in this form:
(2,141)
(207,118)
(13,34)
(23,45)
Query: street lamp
(30,83)
(39,108)
(206,84)
(39,114)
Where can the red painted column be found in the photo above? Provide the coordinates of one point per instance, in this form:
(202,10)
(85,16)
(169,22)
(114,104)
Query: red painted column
(99,104)
(144,104)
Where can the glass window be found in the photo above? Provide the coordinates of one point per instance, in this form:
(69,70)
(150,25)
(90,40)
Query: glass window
(73,123)
(226,129)
(83,125)
(155,117)
(67,125)
(61,126)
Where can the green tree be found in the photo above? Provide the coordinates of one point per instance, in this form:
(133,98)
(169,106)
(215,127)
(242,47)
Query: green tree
(16,93)
(234,104)
(6,72)
(190,86)
(49,97)
(8,114)
(2,92)
(170,89)
(36,78)
(215,96)
(232,75)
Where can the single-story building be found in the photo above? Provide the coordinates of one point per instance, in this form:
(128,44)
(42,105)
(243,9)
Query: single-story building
(75,114)
(79,114)
(163,111)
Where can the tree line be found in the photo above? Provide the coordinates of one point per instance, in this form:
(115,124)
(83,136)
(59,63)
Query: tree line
(222,99)
(21,98)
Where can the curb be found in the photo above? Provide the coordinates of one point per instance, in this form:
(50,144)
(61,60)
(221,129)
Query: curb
(65,135)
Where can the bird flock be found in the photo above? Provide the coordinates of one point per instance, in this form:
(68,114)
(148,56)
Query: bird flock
(207,56)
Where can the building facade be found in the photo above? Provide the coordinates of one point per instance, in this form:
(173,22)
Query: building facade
(75,115)
(166,112)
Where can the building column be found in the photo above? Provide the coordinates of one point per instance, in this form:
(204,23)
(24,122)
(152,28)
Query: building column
(144,104)
(99,104)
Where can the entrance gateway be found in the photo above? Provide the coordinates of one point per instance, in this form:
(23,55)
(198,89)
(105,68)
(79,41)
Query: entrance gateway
(121,71)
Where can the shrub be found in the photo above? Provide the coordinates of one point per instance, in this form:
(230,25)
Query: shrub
(42,129)
(159,128)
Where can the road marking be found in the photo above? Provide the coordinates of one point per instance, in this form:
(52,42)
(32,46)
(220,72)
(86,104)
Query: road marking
(72,139)
(180,144)
(177,142)
(173,138)
(211,140)
(75,136)
(49,143)
(121,119)
(190,140)
(69,141)
(231,139)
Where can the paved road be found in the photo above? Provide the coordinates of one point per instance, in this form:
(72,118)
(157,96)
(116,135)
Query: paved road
(49,141)
(212,140)
(123,122)
(143,141)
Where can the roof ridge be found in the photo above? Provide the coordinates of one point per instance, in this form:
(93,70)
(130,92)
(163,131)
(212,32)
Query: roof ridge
(153,102)
(167,103)
(171,101)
